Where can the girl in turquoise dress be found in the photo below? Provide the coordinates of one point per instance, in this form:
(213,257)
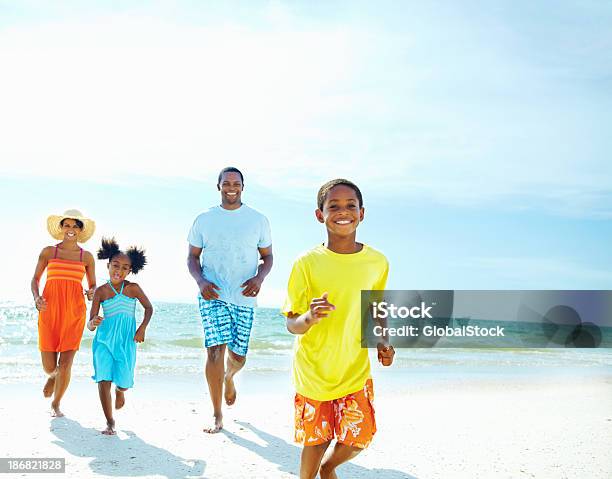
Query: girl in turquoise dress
(114,345)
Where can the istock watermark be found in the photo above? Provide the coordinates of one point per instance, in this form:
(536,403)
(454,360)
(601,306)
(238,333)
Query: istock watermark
(487,319)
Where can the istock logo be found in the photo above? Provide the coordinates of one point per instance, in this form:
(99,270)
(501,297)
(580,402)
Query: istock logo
(384,310)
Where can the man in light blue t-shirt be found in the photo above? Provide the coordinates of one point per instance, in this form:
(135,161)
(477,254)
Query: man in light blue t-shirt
(226,244)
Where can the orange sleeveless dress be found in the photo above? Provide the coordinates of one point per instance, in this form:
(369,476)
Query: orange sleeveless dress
(60,326)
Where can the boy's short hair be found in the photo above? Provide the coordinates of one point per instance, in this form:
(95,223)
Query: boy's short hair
(230,169)
(325,189)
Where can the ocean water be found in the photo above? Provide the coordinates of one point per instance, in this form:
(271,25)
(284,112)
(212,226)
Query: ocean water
(174,346)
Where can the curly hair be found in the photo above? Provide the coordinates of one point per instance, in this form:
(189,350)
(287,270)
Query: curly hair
(110,249)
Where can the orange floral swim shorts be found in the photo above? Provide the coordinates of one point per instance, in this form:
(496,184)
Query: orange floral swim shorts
(350,419)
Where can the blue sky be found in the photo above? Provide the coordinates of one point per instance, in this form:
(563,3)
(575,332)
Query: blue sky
(478,131)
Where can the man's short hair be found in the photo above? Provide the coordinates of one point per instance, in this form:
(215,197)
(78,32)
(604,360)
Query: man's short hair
(230,169)
(326,188)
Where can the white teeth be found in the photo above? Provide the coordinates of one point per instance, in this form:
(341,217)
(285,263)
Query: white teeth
(343,222)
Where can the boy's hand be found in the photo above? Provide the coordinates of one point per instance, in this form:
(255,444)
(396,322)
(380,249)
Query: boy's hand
(385,354)
(41,303)
(251,286)
(319,307)
(207,289)
(139,337)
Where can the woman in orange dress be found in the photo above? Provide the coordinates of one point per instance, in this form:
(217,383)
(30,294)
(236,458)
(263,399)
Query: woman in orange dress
(61,307)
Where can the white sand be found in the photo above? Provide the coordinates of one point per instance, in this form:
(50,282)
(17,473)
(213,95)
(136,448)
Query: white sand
(510,427)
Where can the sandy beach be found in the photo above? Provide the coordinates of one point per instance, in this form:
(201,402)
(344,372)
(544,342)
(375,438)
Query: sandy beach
(507,426)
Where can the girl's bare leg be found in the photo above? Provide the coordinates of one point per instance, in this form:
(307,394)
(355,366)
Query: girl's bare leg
(104,388)
(119,397)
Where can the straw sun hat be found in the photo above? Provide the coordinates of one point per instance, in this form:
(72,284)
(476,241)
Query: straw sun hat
(55,230)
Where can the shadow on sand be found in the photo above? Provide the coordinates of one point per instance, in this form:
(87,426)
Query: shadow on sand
(287,456)
(119,456)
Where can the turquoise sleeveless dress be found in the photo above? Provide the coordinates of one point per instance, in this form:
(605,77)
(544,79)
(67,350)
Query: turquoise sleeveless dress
(114,348)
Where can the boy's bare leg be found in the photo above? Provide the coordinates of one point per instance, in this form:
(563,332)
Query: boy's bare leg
(339,455)
(119,397)
(215,371)
(235,363)
(62,379)
(104,388)
(49,363)
(311,460)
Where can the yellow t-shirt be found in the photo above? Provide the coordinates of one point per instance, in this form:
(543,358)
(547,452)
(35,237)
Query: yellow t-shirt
(329,361)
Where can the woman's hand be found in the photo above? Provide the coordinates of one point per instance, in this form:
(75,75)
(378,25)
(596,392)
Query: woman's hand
(90,293)
(41,303)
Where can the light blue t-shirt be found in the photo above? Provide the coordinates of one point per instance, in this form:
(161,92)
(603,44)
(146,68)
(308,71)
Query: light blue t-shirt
(230,239)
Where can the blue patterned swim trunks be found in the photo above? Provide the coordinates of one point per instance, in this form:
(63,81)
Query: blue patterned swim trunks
(226,323)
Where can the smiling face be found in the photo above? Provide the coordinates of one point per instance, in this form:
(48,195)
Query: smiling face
(119,267)
(230,187)
(342,212)
(70,229)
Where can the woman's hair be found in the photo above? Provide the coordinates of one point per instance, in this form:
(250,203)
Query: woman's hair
(79,223)
(110,249)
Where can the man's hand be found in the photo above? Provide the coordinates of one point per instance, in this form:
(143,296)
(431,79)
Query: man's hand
(139,337)
(319,307)
(207,289)
(251,286)
(385,354)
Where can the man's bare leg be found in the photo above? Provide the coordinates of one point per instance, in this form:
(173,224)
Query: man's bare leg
(235,363)
(49,363)
(340,454)
(215,371)
(104,388)
(62,379)
(311,460)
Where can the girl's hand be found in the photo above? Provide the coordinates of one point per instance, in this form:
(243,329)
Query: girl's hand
(41,303)
(90,293)
(139,337)
(97,321)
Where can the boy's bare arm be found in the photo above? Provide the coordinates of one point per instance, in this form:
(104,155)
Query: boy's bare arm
(301,323)
(298,323)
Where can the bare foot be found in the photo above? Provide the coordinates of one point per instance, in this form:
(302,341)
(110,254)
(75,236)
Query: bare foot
(110,429)
(49,387)
(230,391)
(55,411)
(119,398)
(217,427)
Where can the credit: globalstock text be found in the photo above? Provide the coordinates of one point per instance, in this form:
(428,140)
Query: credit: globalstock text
(384,310)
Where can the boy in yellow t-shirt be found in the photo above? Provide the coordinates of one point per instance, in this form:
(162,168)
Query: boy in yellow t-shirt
(331,371)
